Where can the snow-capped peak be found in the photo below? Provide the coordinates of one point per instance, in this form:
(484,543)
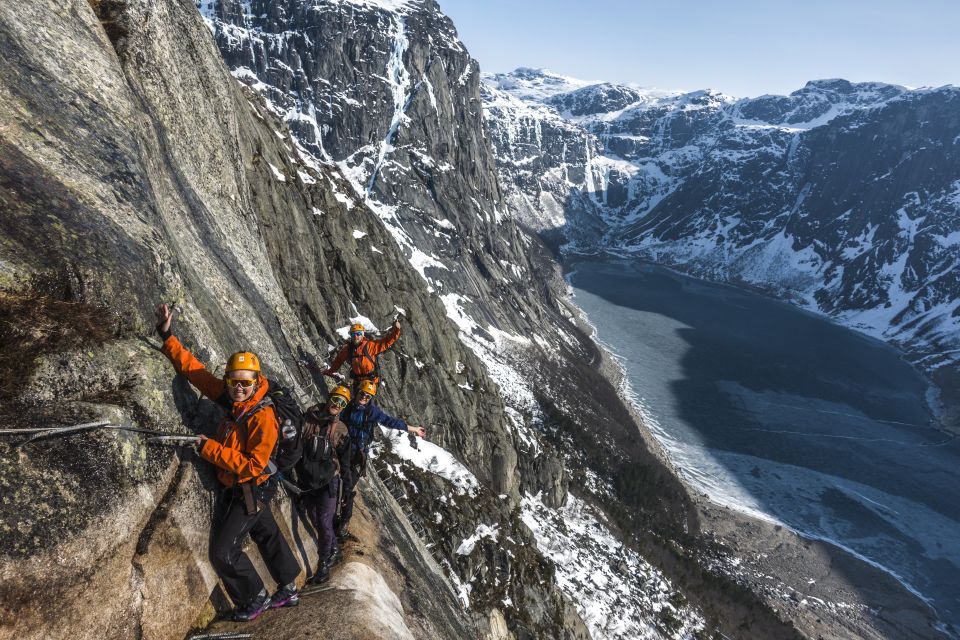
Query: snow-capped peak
(396,6)
(605,98)
(779,190)
(818,102)
(535,84)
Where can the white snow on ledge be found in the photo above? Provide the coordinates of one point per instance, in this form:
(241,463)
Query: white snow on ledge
(483,531)
(277,174)
(617,593)
(433,459)
(374,594)
(513,386)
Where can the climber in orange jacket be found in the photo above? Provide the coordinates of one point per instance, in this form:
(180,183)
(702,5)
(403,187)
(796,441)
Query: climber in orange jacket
(241,451)
(362,353)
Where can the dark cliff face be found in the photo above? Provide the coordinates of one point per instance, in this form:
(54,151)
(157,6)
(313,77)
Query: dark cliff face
(392,97)
(533,143)
(598,98)
(398,107)
(841,197)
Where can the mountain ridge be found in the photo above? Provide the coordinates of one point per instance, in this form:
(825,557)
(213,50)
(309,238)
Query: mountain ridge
(749,191)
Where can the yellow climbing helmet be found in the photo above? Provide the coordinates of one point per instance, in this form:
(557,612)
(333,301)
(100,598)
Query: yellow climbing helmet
(243,361)
(368,386)
(342,391)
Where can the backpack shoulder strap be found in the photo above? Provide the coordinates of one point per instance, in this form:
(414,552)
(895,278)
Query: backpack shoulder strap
(242,422)
(242,427)
(376,361)
(267,401)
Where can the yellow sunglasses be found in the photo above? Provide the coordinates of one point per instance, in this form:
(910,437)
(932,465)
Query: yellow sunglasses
(243,382)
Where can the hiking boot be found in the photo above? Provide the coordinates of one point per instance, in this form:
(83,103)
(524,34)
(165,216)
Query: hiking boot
(345,536)
(342,533)
(286,596)
(252,609)
(336,557)
(322,574)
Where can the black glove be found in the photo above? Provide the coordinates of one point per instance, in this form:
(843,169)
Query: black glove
(164,316)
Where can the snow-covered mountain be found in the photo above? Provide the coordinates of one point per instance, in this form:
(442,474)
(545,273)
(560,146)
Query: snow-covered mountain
(384,92)
(842,197)
(346,177)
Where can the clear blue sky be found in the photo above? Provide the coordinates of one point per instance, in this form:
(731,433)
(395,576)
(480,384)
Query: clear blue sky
(740,47)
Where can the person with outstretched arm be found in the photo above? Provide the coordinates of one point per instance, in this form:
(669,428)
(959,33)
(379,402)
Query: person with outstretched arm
(241,451)
(326,451)
(362,416)
(363,353)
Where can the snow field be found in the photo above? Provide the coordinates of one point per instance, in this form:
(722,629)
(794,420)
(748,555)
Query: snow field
(619,595)
(433,459)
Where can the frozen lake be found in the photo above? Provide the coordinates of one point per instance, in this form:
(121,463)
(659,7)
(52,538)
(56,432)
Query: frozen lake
(781,413)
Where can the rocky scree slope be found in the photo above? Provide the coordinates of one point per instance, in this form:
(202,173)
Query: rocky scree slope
(135,169)
(840,197)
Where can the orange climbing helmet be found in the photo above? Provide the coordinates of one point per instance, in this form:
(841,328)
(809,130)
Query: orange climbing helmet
(357,327)
(243,361)
(368,386)
(341,391)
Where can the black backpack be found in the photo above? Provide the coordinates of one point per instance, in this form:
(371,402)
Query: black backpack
(289,446)
(318,464)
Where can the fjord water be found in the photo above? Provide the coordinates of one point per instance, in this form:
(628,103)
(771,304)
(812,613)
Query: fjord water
(778,412)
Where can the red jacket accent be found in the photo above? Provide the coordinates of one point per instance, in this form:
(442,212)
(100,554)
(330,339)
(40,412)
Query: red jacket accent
(237,460)
(365,354)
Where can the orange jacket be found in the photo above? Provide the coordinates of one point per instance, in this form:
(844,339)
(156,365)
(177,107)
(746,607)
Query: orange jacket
(237,461)
(364,360)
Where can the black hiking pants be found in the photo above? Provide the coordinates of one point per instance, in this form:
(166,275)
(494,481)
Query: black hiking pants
(321,506)
(350,478)
(231,525)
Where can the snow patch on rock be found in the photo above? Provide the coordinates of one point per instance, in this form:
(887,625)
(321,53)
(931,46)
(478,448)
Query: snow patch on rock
(432,458)
(483,531)
(617,593)
(386,618)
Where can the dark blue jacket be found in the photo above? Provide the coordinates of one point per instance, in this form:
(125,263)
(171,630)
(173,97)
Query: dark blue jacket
(362,420)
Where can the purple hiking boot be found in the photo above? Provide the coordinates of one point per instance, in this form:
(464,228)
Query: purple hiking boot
(286,596)
(253,609)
